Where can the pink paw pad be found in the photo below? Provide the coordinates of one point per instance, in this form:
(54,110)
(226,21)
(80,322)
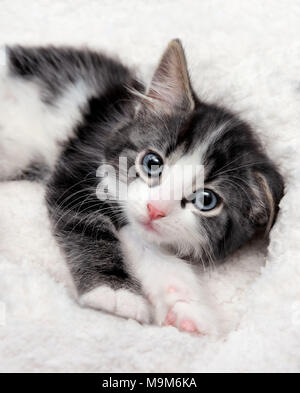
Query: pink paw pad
(188,326)
(172,289)
(170,318)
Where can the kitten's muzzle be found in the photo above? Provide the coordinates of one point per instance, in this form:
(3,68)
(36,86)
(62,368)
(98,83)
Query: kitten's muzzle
(155,213)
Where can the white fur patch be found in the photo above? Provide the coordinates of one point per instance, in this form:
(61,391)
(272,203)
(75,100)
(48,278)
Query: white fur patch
(3,57)
(31,129)
(120,302)
(160,274)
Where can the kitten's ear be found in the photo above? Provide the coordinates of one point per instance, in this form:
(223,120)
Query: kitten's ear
(270,192)
(170,89)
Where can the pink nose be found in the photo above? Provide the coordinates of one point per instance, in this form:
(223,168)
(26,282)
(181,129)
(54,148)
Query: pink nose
(154,212)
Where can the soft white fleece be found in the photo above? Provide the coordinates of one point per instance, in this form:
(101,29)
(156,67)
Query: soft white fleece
(245,54)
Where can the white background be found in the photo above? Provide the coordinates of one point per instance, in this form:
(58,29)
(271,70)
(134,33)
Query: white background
(244,54)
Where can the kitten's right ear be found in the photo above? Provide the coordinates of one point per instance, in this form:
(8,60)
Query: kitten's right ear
(170,89)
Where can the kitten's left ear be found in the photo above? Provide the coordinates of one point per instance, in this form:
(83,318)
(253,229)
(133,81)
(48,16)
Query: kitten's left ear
(170,89)
(270,191)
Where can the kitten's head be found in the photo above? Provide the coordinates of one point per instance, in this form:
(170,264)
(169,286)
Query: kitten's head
(172,136)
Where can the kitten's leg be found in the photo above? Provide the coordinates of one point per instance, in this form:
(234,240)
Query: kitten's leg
(171,286)
(102,279)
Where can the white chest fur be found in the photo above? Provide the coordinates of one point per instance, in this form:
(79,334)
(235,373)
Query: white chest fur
(169,284)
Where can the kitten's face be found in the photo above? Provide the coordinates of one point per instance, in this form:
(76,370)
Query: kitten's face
(217,197)
(204,186)
(166,201)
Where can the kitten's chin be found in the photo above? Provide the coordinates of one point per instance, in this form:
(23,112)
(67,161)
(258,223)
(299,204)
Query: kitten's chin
(155,232)
(157,235)
(149,227)
(148,231)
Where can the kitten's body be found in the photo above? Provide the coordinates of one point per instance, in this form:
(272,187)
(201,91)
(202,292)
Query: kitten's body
(64,113)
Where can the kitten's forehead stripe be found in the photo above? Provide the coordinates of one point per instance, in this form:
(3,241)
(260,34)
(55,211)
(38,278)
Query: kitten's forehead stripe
(200,148)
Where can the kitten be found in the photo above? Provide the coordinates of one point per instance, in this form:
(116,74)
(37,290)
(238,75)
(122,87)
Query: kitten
(65,113)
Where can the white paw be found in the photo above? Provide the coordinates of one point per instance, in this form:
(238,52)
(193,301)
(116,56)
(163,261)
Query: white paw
(183,308)
(121,302)
(193,318)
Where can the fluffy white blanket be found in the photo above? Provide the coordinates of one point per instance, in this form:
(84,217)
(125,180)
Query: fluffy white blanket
(245,54)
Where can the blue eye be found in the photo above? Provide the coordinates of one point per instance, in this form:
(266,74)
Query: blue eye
(152,164)
(206,200)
